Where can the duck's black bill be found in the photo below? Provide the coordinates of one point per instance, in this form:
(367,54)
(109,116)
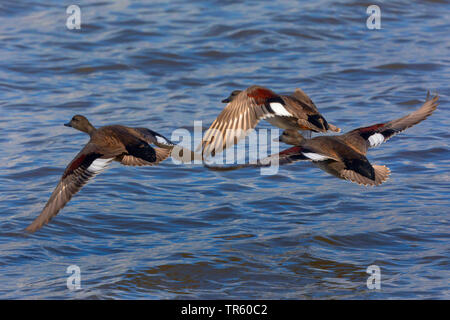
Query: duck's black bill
(227,100)
(68,124)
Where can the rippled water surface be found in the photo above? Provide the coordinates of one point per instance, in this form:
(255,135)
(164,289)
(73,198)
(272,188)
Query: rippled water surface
(185,232)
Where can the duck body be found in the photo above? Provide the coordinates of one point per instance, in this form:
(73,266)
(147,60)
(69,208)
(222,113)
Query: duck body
(129,146)
(246,108)
(299,113)
(335,155)
(118,141)
(344,156)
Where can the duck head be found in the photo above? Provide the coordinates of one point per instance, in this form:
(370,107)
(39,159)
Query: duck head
(292,137)
(232,96)
(81,123)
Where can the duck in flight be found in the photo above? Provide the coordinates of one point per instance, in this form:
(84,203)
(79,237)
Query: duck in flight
(344,156)
(129,146)
(246,108)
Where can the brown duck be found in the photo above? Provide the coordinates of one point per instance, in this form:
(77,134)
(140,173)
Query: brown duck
(129,146)
(246,108)
(344,156)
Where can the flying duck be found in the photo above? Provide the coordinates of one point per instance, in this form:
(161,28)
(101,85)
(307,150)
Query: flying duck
(246,108)
(129,146)
(344,156)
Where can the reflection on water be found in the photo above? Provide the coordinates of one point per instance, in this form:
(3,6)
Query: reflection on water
(185,232)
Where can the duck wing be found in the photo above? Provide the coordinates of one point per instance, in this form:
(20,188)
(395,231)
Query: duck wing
(152,137)
(372,136)
(287,156)
(303,108)
(87,164)
(238,117)
(300,95)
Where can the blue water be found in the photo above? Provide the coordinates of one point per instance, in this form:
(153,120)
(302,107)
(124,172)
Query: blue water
(176,232)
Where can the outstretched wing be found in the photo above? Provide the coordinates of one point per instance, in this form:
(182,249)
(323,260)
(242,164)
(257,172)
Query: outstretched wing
(290,155)
(300,95)
(373,136)
(235,121)
(309,115)
(152,137)
(87,164)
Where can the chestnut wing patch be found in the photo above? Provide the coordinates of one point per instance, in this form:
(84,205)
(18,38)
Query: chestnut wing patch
(83,161)
(290,155)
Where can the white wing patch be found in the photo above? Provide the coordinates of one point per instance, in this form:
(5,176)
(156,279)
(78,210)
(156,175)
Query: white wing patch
(280,110)
(98,165)
(267,115)
(162,140)
(315,156)
(376,139)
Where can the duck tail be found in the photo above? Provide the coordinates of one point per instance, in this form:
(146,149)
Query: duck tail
(381,174)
